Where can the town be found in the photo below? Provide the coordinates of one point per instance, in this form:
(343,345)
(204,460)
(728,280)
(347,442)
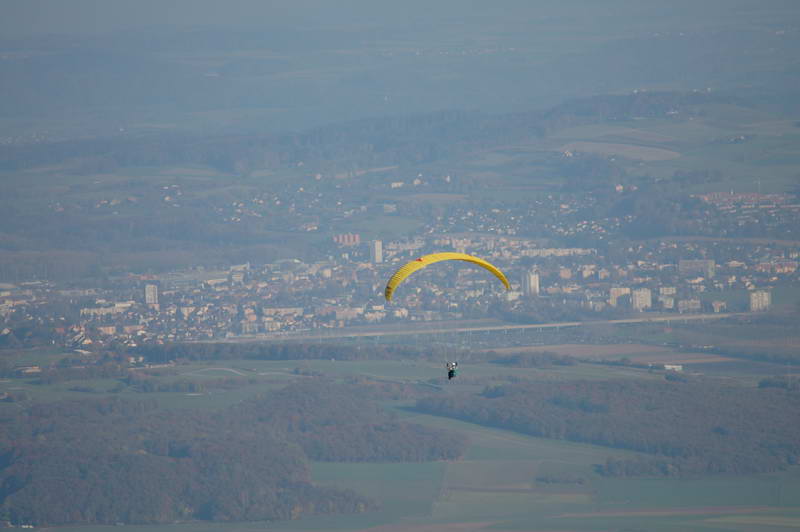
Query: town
(589,254)
(290,296)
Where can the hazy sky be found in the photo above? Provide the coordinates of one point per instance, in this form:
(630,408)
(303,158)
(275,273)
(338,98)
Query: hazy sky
(78,16)
(312,62)
(21,17)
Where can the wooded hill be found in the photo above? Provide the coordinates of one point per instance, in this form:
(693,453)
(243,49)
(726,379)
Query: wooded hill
(117,461)
(364,143)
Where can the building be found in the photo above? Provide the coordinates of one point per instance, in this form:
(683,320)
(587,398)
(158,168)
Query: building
(641,299)
(512,295)
(706,267)
(760,300)
(689,305)
(530,283)
(557,252)
(617,292)
(249,327)
(108,330)
(667,302)
(151,295)
(347,239)
(376,252)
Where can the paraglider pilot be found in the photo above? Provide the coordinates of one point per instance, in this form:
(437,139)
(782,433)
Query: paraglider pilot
(451,370)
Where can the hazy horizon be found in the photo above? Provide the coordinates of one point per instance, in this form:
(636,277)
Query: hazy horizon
(90,67)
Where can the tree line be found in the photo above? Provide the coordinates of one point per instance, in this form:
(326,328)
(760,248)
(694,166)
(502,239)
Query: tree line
(163,353)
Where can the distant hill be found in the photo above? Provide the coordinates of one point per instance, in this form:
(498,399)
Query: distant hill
(162,201)
(407,140)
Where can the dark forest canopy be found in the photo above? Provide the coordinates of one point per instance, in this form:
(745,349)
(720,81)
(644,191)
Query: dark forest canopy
(339,423)
(112,460)
(541,359)
(687,426)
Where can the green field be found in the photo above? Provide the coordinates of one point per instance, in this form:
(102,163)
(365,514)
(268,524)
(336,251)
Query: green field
(262,376)
(766,161)
(639,343)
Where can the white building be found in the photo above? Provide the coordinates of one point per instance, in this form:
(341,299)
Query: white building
(641,299)
(376,252)
(530,283)
(760,300)
(151,295)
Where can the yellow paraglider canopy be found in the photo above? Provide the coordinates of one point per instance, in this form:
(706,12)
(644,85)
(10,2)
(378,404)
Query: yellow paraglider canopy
(417,264)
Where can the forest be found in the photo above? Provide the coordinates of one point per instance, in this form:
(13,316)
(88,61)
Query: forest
(683,426)
(111,460)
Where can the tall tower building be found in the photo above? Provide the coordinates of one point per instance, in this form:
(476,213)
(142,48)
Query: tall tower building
(376,252)
(151,295)
(641,299)
(530,283)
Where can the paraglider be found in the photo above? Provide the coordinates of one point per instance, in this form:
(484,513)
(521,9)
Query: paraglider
(452,367)
(415,265)
(401,274)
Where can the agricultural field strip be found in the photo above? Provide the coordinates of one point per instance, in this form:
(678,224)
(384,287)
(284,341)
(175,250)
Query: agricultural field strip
(195,372)
(703,510)
(637,353)
(489,434)
(603,132)
(769,520)
(630,151)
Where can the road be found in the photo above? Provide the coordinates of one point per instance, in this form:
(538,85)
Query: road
(379,332)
